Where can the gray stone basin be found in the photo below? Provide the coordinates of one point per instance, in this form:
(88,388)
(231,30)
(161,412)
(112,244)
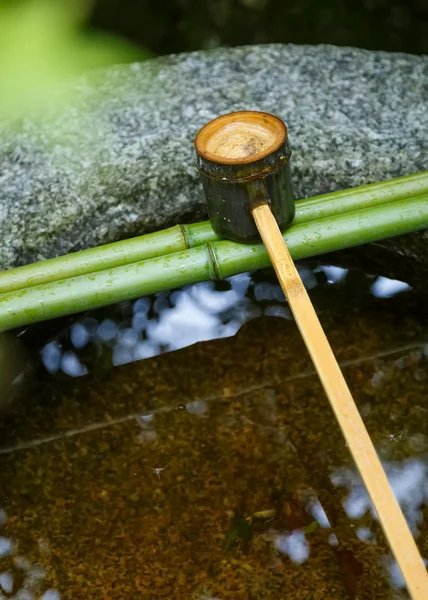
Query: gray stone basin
(116,160)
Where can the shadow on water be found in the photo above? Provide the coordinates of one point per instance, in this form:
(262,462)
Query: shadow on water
(215,471)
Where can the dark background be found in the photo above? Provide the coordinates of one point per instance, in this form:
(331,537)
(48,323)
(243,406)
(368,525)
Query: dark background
(169,26)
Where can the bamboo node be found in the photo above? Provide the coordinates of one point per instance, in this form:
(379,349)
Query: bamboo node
(213,263)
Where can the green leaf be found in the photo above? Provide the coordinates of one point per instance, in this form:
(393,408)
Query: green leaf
(43,45)
(311,527)
(240,530)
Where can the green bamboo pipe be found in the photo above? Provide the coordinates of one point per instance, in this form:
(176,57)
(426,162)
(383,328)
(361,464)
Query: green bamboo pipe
(182,237)
(212,261)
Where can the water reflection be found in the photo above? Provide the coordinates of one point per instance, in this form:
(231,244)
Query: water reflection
(6,582)
(133,491)
(408,480)
(334,274)
(6,546)
(148,431)
(51,595)
(51,356)
(168,321)
(23,578)
(294,545)
(388,288)
(319,515)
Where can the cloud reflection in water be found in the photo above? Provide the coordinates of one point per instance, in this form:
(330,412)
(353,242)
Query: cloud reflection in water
(206,311)
(172,320)
(294,545)
(20,576)
(409,482)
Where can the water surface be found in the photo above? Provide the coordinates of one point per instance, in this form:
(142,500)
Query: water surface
(181,446)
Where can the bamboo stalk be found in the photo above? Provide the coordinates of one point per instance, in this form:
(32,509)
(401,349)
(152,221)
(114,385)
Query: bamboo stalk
(359,442)
(182,237)
(365,196)
(216,260)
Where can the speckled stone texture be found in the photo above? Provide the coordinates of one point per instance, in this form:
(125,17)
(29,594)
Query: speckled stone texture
(118,161)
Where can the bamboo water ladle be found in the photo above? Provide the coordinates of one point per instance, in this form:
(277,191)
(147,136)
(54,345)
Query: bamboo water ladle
(243,159)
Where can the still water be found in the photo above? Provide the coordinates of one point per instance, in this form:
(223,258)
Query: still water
(138,462)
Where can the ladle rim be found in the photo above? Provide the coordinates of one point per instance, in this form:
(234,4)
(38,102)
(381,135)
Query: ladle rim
(205,133)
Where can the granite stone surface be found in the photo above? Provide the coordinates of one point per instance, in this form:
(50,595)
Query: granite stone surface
(117,160)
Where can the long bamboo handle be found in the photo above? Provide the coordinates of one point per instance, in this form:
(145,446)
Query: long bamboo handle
(388,510)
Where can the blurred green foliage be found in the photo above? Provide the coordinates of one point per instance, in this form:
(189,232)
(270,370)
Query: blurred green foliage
(44,43)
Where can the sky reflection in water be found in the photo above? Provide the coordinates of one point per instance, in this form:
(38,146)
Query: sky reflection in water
(169,321)
(172,320)
(409,481)
(26,575)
